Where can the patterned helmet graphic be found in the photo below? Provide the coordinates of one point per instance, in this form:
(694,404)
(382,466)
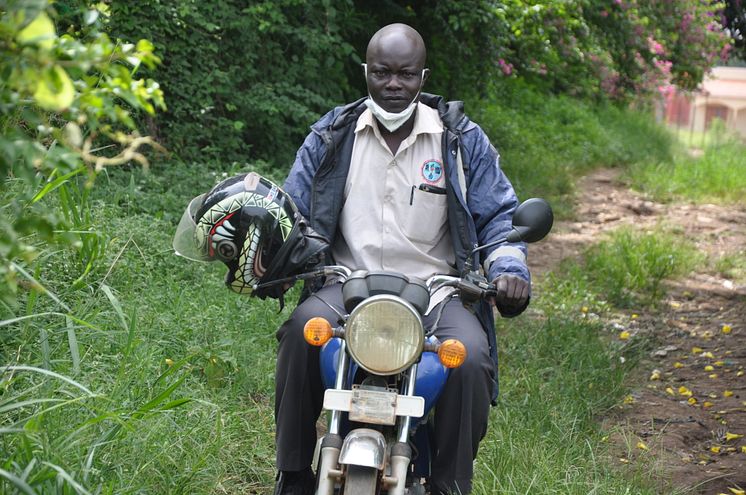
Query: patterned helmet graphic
(244,222)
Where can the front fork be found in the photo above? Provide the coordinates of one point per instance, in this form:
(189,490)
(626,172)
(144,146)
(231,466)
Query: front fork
(329,471)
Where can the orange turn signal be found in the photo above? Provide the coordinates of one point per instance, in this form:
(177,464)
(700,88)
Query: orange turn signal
(317,331)
(452,353)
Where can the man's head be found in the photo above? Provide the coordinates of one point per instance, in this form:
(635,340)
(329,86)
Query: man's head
(395,61)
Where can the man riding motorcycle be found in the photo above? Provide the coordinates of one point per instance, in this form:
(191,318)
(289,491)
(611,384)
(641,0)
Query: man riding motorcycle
(402,181)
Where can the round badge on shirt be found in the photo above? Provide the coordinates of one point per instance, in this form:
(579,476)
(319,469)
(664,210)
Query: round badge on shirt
(432,171)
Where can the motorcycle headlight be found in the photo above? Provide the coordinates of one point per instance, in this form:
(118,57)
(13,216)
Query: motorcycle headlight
(384,335)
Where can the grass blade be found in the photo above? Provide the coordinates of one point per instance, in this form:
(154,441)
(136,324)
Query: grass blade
(116,305)
(72,341)
(17,482)
(49,373)
(51,186)
(69,479)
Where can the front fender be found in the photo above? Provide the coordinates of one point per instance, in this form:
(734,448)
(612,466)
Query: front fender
(364,447)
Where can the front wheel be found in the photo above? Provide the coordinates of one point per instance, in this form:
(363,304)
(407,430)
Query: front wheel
(361,480)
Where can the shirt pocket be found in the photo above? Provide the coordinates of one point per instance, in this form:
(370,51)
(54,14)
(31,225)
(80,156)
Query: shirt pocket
(424,220)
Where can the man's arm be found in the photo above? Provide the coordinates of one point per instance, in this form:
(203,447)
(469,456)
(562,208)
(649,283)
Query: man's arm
(492,201)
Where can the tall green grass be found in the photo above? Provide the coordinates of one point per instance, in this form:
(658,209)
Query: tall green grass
(629,267)
(715,173)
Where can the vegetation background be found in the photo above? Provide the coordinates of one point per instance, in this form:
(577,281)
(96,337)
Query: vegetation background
(128,370)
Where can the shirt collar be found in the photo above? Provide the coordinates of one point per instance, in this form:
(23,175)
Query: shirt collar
(426,121)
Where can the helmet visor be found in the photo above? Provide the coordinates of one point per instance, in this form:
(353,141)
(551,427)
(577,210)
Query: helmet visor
(185,240)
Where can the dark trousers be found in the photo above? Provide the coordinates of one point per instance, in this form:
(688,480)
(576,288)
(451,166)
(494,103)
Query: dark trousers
(461,412)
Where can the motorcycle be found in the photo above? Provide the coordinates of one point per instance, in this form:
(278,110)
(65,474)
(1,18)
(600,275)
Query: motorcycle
(383,373)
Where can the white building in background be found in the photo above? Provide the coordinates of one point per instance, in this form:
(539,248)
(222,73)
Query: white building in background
(721,95)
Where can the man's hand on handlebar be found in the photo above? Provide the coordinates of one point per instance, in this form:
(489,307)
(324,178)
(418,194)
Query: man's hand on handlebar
(511,293)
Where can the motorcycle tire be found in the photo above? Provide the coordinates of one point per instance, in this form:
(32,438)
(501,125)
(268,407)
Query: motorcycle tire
(361,480)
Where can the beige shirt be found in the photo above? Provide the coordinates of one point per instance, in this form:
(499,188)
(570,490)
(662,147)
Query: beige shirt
(395,213)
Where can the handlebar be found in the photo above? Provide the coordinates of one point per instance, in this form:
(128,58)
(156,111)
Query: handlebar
(471,287)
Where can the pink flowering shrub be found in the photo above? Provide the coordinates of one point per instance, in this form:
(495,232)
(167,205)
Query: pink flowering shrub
(619,49)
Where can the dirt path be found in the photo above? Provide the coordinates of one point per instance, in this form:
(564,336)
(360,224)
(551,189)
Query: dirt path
(688,403)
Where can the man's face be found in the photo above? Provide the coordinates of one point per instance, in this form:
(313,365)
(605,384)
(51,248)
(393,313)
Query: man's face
(394,76)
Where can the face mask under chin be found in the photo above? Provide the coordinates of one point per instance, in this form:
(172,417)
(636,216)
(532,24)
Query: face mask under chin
(392,121)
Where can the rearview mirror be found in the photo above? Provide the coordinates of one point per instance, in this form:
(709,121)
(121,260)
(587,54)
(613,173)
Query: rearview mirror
(532,221)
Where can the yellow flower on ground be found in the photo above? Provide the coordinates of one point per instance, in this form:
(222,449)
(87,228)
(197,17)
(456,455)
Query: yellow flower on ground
(623,460)
(707,404)
(696,350)
(732,436)
(728,393)
(629,400)
(169,362)
(719,363)
(634,316)
(641,445)
(691,401)
(685,391)
(584,309)
(678,365)
(624,335)
(709,368)
(714,375)
(670,391)
(737,491)
(655,375)
(715,449)
(740,373)
(743,449)
(726,329)
(708,354)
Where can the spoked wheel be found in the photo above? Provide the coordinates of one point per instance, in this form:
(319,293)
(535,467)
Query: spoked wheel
(361,480)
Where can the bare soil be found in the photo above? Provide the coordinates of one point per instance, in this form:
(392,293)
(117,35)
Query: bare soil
(687,406)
